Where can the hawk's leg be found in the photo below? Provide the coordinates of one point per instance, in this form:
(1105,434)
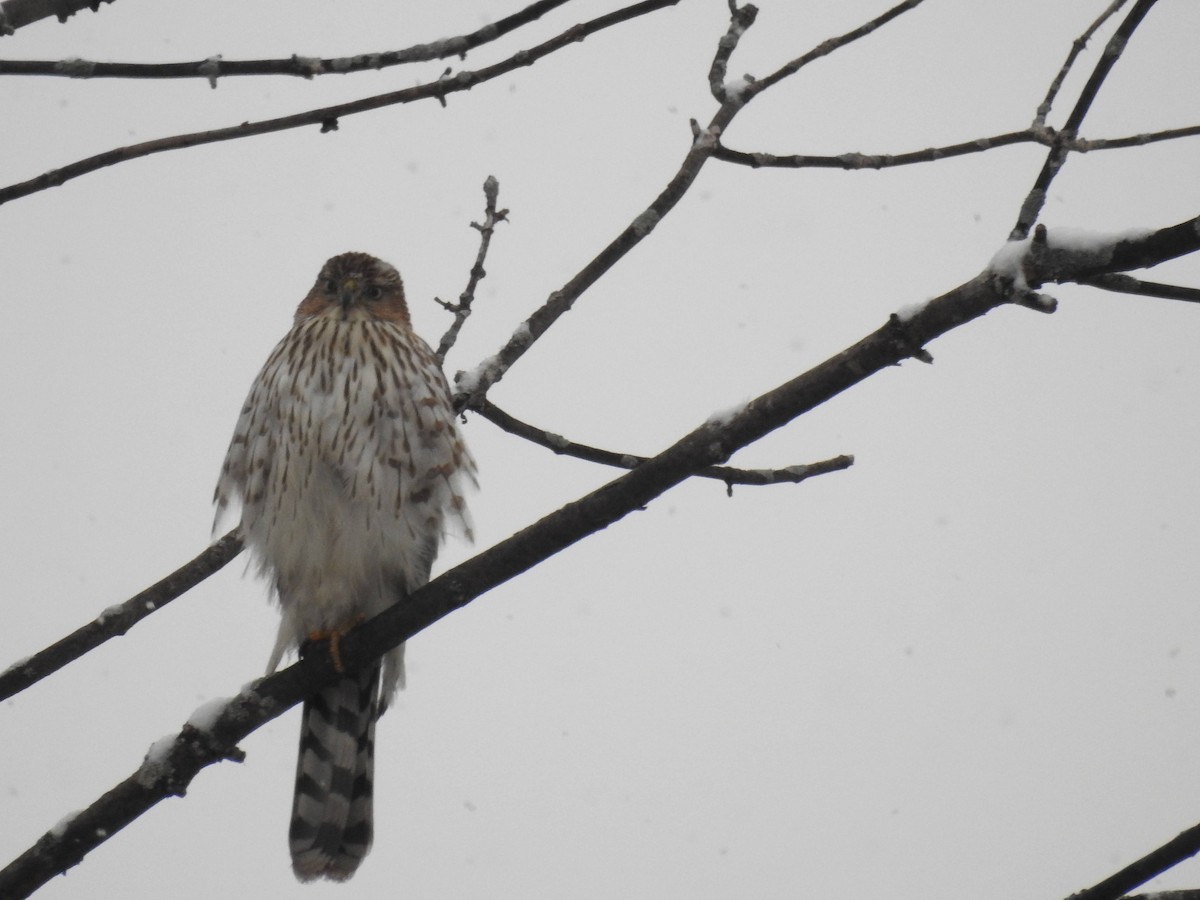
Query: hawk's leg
(334,637)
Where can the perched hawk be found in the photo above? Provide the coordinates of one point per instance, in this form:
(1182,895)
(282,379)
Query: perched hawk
(349,467)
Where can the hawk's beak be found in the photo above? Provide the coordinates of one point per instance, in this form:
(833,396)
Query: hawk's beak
(346,294)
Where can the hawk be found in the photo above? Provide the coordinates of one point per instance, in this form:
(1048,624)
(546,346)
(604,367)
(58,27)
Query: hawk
(349,468)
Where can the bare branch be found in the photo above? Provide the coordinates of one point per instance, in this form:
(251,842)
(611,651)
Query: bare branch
(1184,846)
(1034,135)
(850,161)
(473,386)
(1085,145)
(1127,284)
(297,65)
(1058,154)
(16,14)
(827,47)
(327,117)
(117,620)
(727,474)
(1077,47)
(462,309)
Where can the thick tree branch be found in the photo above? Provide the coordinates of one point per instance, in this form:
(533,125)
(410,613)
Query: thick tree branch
(1184,846)
(327,117)
(214,732)
(556,443)
(298,65)
(117,620)
(16,14)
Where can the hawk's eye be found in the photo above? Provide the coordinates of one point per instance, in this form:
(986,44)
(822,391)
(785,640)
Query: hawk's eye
(331,286)
(374,292)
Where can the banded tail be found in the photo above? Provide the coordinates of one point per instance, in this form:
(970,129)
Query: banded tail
(332,816)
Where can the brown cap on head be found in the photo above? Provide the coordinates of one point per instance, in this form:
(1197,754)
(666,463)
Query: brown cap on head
(358,285)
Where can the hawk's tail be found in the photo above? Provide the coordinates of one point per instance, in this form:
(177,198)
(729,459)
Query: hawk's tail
(331,814)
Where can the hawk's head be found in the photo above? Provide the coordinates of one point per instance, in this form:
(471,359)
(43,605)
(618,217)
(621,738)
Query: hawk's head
(356,286)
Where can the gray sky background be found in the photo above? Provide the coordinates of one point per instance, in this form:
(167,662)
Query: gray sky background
(968,666)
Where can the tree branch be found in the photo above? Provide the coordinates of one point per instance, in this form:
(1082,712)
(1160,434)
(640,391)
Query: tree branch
(16,14)
(851,161)
(827,47)
(1077,47)
(729,475)
(1127,284)
(462,309)
(327,117)
(1184,846)
(303,66)
(1058,154)
(117,620)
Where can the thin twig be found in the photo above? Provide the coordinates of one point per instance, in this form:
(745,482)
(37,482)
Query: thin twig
(852,161)
(1036,199)
(471,387)
(297,65)
(827,47)
(1127,284)
(1079,45)
(856,161)
(462,309)
(740,18)
(327,117)
(117,620)
(726,474)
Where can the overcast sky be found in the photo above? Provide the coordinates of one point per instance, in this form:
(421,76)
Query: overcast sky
(967,667)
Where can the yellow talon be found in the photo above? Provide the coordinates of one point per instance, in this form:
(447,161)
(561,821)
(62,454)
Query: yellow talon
(334,636)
